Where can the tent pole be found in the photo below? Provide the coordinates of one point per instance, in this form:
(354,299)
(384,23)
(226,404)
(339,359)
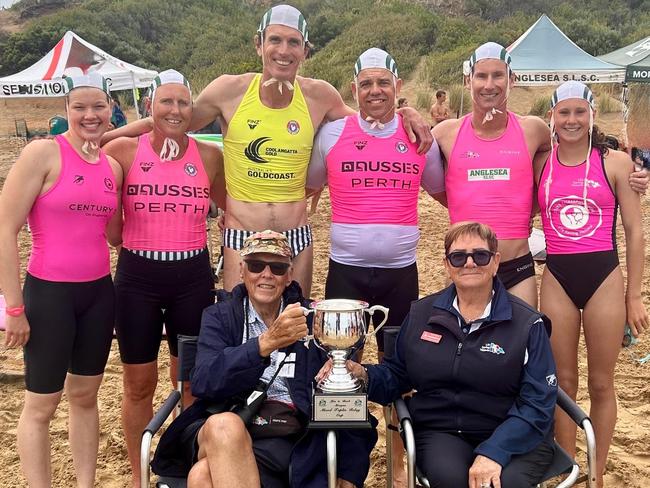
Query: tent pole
(462,97)
(135,96)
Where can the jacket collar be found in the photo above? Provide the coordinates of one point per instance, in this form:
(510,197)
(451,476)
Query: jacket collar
(501,308)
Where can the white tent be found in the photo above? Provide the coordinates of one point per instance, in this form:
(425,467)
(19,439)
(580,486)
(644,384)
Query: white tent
(544,55)
(73,55)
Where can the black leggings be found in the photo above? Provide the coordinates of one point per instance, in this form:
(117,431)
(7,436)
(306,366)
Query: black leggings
(71,329)
(151,293)
(445,460)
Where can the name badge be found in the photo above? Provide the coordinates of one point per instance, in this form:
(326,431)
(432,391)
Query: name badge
(431,337)
(289,368)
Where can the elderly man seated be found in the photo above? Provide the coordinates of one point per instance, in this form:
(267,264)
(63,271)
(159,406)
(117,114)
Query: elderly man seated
(244,340)
(481,364)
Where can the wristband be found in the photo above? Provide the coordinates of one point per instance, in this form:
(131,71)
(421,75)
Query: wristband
(15,311)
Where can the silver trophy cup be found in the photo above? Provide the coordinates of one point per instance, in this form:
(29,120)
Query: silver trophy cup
(338,327)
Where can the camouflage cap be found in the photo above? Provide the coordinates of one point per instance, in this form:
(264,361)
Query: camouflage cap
(267,241)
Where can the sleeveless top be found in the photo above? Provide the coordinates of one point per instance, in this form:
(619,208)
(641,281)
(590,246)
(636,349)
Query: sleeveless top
(165,203)
(378,184)
(68,221)
(491,181)
(569,228)
(267,150)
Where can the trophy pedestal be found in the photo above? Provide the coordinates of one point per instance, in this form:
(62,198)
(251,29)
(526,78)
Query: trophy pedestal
(339,410)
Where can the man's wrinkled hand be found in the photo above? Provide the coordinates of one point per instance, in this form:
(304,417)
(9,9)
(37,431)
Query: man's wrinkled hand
(484,473)
(417,128)
(289,327)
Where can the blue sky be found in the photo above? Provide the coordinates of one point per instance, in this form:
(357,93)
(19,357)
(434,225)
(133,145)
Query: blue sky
(7,3)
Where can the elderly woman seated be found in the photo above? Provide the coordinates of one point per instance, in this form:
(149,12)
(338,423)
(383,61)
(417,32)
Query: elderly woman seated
(481,364)
(250,340)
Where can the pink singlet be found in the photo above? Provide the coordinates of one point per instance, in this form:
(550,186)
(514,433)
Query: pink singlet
(68,221)
(491,181)
(166,203)
(374,184)
(567,227)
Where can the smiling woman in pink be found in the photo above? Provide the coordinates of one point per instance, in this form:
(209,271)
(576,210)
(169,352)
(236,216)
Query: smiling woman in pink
(68,190)
(581,187)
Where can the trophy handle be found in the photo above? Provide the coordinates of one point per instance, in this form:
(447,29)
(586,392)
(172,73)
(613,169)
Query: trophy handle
(371,311)
(307,311)
(308,338)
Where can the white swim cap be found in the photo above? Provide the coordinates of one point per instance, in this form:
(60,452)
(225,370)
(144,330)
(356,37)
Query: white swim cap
(285,15)
(375,58)
(90,80)
(490,50)
(572,89)
(166,77)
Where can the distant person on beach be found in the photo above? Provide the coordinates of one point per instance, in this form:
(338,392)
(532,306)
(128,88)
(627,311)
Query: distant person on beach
(439,110)
(489,174)
(374,232)
(68,190)
(163,274)
(402,102)
(269,120)
(581,186)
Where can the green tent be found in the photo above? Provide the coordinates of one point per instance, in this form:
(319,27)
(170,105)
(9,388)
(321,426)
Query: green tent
(635,58)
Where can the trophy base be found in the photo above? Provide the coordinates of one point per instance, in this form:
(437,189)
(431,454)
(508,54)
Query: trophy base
(339,411)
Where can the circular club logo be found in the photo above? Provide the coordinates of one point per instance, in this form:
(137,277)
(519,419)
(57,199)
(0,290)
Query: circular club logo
(401,147)
(190,169)
(293,127)
(572,220)
(108,183)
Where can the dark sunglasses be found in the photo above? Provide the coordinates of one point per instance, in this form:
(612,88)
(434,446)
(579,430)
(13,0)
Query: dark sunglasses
(458,258)
(277,268)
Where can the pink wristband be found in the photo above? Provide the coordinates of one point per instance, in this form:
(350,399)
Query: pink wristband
(15,311)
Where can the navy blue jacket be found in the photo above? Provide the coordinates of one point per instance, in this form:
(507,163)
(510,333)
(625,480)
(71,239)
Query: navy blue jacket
(496,384)
(225,368)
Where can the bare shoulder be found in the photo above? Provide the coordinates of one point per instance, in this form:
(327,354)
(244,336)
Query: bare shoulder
(211,155)
(314,88)
(445,132)
(39,151)
(618,161)
(228,85)
(122,150)
(532,123)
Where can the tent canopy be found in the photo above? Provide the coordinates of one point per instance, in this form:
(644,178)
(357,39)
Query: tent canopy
(635,58)
(73,55)
(544,55)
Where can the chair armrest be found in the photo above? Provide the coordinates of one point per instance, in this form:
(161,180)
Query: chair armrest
(571,408)
(163,413)
(403,414)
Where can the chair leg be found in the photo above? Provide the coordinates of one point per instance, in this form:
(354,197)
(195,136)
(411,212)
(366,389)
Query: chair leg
(145,447)
(388,415)
(331,459)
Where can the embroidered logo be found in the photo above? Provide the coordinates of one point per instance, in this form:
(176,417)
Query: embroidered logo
(190,169)
(360,144)
(293,127)
(488,174)
(146,165)
(551,379)
(78,179)
(252,123)
(470,155)
(108,183)
(401,147)
(493,348)
(259,420)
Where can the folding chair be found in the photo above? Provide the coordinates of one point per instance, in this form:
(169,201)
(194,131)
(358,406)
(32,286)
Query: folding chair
(561,464)
(186,357)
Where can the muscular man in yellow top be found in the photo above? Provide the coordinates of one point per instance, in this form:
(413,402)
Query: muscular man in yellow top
(268,121)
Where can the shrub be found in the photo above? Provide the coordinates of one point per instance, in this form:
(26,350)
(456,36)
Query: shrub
(423,99)
(540,106)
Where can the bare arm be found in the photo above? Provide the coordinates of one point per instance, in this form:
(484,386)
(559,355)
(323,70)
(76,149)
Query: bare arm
(213,161)
(619,164)
(23,185)
(114,226)
(132,129)
(222,93)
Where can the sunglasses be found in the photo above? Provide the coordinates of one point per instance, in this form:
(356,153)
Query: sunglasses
(277,268)
(458,258)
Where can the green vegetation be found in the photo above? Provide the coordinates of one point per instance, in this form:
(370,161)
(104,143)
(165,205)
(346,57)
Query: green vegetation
(454,97)
(606,104)
(423,99)
(206,38)
(540,106)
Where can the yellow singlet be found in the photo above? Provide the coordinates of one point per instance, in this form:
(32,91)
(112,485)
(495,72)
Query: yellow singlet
(267,150)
